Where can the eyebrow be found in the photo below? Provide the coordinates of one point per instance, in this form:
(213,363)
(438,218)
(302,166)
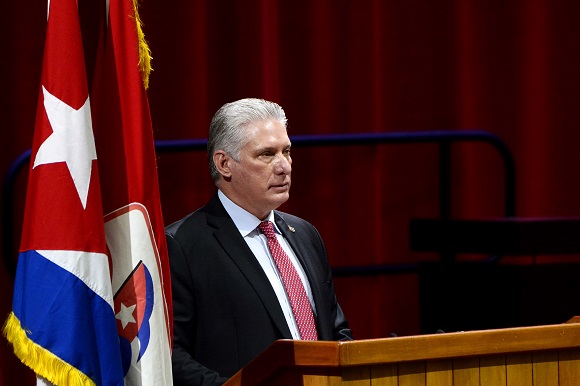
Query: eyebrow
(272,148)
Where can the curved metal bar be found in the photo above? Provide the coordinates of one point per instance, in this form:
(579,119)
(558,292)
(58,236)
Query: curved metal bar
(180,145)
(441,137)
(163,146)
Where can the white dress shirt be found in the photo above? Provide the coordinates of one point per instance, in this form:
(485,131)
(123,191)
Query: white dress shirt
(247,224)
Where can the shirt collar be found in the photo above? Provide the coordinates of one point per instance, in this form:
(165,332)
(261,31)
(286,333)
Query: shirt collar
(244,220)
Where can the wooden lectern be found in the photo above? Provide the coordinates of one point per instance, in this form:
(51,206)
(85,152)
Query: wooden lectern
(541,355)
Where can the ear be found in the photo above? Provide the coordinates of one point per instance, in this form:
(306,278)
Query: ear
(222,161)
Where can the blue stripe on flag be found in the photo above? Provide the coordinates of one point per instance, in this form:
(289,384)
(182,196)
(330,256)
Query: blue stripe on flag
(61,314)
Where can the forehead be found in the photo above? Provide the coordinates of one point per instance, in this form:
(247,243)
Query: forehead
(269,133)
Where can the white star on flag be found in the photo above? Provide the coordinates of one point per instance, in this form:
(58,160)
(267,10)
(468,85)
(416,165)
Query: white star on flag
(72,141)
(126,315)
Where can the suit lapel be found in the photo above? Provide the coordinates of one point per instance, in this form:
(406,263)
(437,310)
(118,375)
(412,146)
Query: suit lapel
(236,248)
(304,255)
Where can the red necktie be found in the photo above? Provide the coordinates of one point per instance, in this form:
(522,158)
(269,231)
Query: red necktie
(294,287)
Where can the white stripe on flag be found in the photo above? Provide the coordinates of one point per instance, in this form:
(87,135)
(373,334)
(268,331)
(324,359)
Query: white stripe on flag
(90,267)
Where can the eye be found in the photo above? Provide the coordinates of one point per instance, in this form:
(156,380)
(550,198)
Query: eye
(266,154)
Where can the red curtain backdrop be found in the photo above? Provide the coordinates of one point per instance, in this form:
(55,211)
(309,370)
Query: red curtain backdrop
(510,68)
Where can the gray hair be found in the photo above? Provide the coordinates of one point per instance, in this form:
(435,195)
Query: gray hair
(227,129)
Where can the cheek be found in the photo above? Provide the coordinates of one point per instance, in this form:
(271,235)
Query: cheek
(254,175)
(259,173)
(252,179)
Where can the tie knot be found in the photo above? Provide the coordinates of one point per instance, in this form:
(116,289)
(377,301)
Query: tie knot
(267,229)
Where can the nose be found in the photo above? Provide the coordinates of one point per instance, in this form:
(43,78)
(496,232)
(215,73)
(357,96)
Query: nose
(283,164)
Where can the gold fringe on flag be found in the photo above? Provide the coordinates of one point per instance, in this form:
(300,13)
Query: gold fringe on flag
(144,50)
(40,360)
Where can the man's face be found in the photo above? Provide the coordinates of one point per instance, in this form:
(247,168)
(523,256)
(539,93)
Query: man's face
(260,181)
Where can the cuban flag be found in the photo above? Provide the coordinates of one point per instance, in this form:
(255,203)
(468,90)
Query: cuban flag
(92,293)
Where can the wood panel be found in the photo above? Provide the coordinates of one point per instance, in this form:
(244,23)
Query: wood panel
(466,371)
(569,367)
(318,376)
(519,369)
(439,372)
(538,356)
(412,374)
(385,375)
(492,370)
(545,368)
(356,376)
(318,380)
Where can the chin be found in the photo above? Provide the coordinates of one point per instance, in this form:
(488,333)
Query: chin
(280,199)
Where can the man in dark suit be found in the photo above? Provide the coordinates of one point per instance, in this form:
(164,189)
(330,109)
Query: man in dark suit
(244,274)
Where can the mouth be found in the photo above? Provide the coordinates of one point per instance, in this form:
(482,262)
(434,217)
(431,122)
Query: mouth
(280,188)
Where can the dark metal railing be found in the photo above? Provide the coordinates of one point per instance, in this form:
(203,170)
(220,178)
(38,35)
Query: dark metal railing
(443,138)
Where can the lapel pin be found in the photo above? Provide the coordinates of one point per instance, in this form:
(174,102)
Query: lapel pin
(291,228)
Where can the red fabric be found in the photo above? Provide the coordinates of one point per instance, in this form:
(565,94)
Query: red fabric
(123,128)
(63,206)
(124,141)
(344,66)
(124,137)
(56,217)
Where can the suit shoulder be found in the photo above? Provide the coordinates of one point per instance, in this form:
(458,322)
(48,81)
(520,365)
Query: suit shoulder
(187,224)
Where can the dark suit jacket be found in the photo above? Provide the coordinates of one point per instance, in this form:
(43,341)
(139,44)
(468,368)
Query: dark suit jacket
(225,310)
